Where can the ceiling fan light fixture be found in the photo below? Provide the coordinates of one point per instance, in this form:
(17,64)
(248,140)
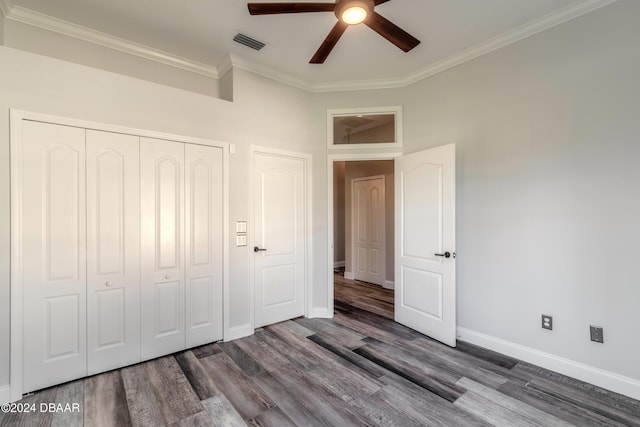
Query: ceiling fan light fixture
(353,12)
(354,15)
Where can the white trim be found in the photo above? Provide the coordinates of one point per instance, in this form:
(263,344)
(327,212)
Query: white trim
(384,219)
(60,26)
(339,264)
(339,157)
(389,284)
(238,332)
(5,394)
(567,13)
(308,175)
(16,118)
(321,313)
(529,29)
(396,110)
(605,379)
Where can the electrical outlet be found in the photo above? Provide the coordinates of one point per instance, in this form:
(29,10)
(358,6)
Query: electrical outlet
(597,334)
(547,322)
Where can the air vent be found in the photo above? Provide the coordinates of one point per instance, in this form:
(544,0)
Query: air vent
(248,41)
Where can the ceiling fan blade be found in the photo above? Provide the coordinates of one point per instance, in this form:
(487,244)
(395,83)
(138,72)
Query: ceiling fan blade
(329,43)
(391,32)
(377,2)
(281,7)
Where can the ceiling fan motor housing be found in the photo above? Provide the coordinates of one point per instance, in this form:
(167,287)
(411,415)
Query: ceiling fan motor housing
(343,5)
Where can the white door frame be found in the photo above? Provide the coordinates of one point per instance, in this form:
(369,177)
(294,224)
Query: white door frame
(16,117)
(331,159)
(308,247)
(354,228)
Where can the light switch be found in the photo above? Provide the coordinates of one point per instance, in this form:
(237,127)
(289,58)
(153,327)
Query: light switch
(241,227)
(241,240)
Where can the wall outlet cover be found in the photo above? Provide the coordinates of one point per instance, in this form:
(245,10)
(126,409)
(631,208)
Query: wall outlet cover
(597,334)
(547,322)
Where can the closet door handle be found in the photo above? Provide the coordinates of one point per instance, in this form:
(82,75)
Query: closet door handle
(257,249)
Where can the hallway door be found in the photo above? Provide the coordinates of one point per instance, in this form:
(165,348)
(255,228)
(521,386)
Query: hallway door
(368,228)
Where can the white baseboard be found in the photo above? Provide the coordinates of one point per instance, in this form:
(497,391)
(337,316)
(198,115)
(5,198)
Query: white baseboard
(388,284)
(349,275)
(605,379)
(238,332)
(5,394)
(321,313)
(339,264)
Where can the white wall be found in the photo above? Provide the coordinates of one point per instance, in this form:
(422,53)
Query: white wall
(265,113)
(44,42)
(547,184)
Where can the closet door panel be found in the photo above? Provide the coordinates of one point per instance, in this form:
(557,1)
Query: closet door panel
(162,221)
(53,254)
(113,245)
(204,217)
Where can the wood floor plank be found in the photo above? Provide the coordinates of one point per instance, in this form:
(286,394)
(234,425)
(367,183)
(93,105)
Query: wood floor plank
(363,363)
(265,355)
(606,397)
(517,406)
(488,355)
(287,400)
(71,393)
(35,418)
(175,396)
(245,361)
(562,409)
(206,350)
(273,417)
(222,413)
(197,376)
(247,398)
(342,336)
(144,409)
(327,406)
(413,399)
(418,374)
(105,402)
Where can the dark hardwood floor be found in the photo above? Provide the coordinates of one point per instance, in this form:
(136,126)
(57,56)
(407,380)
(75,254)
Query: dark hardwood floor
(359,368)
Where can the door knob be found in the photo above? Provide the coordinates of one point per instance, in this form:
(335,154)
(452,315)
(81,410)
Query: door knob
(257,249)
(446,254)
(108,283)
(167,276)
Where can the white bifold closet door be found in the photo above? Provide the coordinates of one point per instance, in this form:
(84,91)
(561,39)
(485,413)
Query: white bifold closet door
(113,250)
(53,254)
(181,214)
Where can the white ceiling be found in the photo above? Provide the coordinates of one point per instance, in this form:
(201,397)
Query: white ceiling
(201,31)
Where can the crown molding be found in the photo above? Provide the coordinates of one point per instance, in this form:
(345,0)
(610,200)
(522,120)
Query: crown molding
(558,17)
(36,19)
(529,29)
(50,23)
(271,73)
(5,7)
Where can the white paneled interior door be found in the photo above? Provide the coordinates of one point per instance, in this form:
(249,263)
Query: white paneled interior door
(53,254)
(162,244)
(368,229)
(425,291)
(113,250)
(204,234)
(279,212)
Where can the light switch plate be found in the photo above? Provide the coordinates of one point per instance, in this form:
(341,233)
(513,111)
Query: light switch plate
(241,240)
(241,227)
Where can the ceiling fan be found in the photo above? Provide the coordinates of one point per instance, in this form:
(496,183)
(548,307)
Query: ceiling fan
(348,12)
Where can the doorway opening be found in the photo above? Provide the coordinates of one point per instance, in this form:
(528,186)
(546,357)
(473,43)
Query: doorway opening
(363,231)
